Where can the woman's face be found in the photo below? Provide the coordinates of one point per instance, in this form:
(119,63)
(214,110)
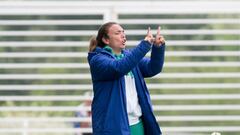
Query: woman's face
(117,38)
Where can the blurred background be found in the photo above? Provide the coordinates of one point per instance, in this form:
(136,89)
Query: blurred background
(45,84)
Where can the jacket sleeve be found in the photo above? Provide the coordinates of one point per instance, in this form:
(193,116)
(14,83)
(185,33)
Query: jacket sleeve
(105,68)
(153,65)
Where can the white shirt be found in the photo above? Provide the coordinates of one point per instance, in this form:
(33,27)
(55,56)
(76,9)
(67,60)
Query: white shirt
(133,108)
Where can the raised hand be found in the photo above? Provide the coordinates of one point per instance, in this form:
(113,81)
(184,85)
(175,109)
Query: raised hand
(159,40)
(149,37)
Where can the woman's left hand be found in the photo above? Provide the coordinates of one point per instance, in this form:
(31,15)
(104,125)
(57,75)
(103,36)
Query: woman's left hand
(159,39)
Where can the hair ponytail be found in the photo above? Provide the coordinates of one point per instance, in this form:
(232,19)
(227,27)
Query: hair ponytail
(93,43)
(102,33)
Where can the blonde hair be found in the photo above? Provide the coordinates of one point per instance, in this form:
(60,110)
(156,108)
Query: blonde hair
(93,43)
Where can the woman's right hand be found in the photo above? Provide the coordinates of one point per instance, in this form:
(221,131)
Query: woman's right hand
(149,37)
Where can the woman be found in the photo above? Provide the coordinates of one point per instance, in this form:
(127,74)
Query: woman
(121,103)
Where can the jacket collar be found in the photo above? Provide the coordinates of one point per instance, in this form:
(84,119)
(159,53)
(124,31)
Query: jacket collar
(110,50)
(101,50)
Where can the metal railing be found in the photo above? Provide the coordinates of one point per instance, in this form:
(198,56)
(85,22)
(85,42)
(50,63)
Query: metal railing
(197,93)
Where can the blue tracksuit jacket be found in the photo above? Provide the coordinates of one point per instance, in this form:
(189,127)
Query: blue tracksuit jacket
(109,114)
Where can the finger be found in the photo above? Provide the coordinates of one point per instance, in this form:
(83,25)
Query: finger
(162,40)
(149,31)
(152,40)
(158,31)
(160,37)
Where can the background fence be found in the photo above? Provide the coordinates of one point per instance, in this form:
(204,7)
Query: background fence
(44,72)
